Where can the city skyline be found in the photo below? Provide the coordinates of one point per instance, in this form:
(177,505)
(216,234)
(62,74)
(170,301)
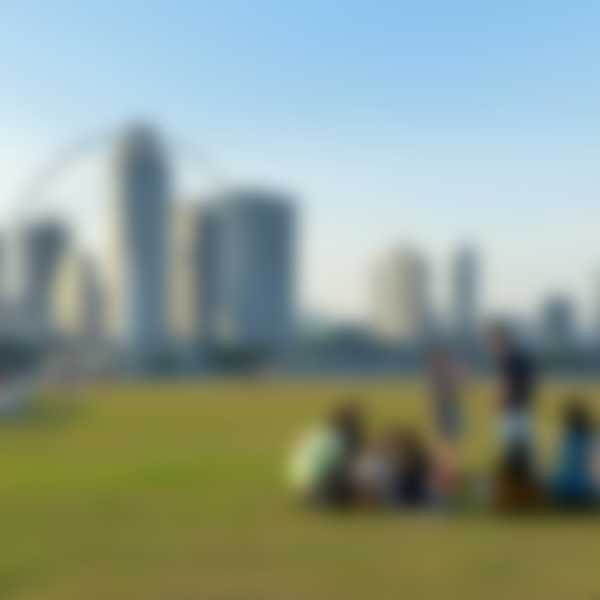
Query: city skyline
(409,129)
(462,276)
(191,283)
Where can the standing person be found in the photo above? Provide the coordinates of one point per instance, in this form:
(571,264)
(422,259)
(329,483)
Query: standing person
(517,386)
(446,379)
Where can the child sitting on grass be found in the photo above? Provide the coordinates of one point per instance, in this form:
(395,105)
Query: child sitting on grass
(515,485)
(412,477)
(372,472)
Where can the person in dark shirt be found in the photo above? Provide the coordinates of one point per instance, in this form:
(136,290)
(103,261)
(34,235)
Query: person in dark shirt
(518,379)
(411,470)
(517,374)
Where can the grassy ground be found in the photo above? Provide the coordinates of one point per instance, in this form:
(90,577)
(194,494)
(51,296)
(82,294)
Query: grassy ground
(175,491)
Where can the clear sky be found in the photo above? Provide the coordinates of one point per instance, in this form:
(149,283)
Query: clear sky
(423,121)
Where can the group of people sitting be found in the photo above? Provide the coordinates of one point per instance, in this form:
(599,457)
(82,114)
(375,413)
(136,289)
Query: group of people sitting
(337,465)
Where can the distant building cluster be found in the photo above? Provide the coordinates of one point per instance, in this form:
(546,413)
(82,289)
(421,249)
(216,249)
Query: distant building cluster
(402,313)
(402,305)
(400,297)
(405,322)
(173,276)
(179,278)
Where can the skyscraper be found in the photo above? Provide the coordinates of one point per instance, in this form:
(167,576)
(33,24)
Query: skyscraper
(249,264)
(42,246)
(595,299)
(4,269)
(139,246)
(78,299)
(209,268)
(400,296)
(558,323)
(183,273)
(194,272)
(465,294)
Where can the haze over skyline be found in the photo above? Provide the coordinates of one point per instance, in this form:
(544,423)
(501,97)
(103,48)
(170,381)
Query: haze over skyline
(426,123)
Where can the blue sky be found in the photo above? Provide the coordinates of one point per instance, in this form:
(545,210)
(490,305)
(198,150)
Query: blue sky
(428,122)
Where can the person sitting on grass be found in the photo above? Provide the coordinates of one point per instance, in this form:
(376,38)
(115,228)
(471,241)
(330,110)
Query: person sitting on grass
(321,462)
(372,473)
(515,484)
(379,472)
(411,479)
(573,484)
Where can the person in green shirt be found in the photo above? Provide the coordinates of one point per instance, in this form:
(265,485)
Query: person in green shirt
(319,469)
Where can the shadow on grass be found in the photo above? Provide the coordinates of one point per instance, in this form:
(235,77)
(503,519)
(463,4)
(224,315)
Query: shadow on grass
(547,515)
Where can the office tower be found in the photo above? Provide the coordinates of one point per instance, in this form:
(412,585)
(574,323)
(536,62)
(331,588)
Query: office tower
(78,299)
(4,269)
(193,272)
(400,295)
(465,294)
(137,269)
(558,328)
(250,260)
(185,274)
(42,246)
(596,307)
(208,260)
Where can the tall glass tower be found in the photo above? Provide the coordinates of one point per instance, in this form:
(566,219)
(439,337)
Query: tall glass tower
(249,269)
(139,246)
(466,294)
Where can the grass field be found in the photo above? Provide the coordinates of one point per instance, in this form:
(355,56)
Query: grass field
(170,491)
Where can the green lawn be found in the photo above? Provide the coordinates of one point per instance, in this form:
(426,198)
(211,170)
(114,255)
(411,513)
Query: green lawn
(169,491)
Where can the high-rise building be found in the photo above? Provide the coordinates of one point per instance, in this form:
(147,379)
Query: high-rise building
(4,269)
(193,272)
(210,268)
(400,295)
(596,307)
(139,246)
(78,299)
(185,273)
(465,294)
(42,246)
(249,268)
(558,327)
